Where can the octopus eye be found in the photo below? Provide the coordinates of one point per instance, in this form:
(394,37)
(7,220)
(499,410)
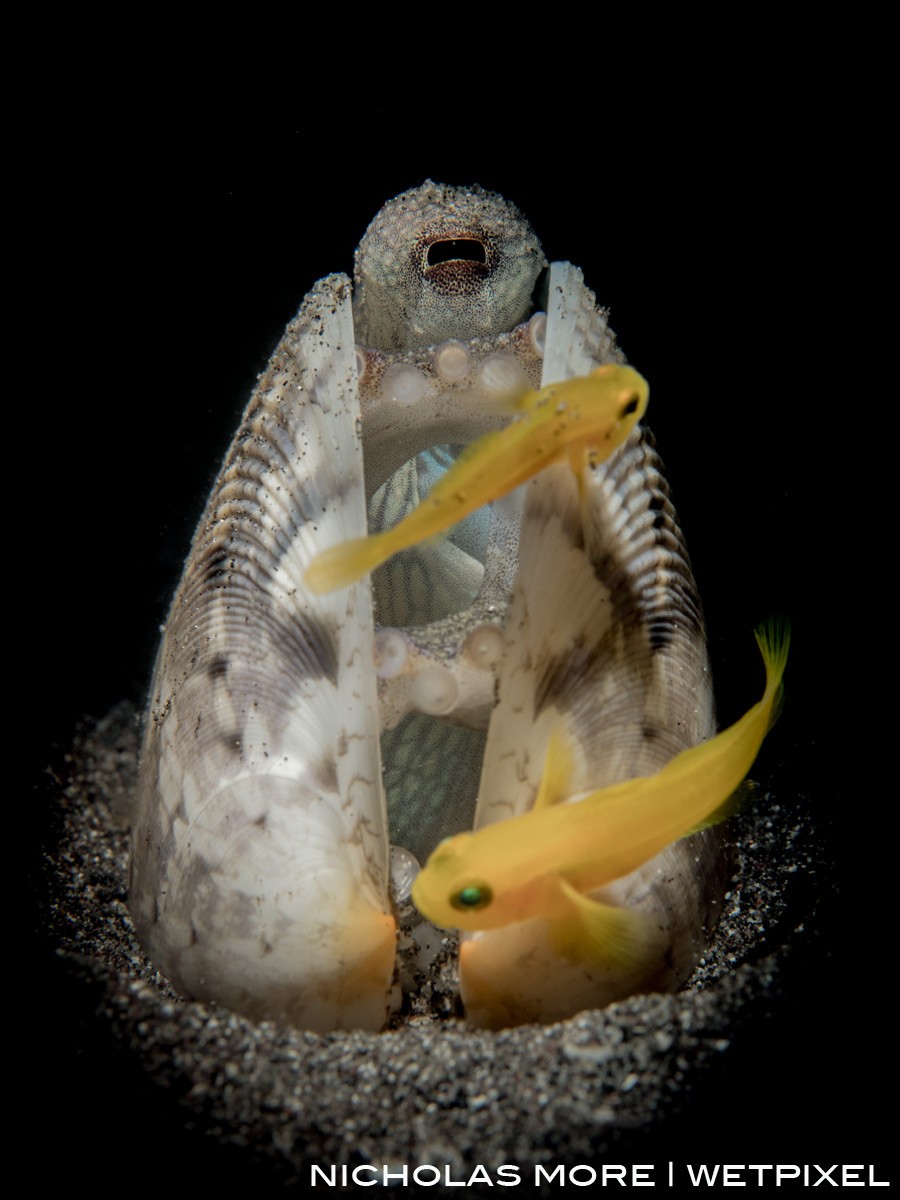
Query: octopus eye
(630,407)
(455,250)
(473,897)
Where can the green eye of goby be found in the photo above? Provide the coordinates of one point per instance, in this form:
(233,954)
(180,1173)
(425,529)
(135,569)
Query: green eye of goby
(473,897)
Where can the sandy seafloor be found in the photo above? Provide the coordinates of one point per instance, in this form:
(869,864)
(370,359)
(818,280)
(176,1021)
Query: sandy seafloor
(142,1079)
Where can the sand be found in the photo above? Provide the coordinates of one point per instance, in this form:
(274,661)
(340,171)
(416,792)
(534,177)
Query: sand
(145,1080)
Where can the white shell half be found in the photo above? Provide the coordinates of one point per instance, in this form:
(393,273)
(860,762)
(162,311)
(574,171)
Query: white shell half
(260,858)
(604,633)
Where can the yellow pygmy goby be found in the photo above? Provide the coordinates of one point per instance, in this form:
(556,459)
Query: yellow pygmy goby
(581,420)
(542,863)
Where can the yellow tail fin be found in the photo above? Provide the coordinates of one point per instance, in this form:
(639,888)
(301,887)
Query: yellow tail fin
(773,637)
(339,566)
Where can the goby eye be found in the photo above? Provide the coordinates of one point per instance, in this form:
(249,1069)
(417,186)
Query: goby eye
(471,898)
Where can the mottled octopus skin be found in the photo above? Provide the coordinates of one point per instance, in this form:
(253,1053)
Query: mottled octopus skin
(259,872)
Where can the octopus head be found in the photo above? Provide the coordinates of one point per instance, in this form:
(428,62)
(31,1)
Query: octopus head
(442,262)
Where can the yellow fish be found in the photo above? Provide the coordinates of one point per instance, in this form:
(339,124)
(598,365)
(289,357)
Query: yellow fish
(581,420)
(542,863)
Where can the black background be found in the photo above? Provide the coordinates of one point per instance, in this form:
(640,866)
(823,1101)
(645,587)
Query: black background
(714,234)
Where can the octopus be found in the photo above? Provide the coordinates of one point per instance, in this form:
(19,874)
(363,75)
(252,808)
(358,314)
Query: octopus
(292,735)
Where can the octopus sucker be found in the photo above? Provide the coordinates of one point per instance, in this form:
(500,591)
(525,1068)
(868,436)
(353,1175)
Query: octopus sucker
(294,735)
